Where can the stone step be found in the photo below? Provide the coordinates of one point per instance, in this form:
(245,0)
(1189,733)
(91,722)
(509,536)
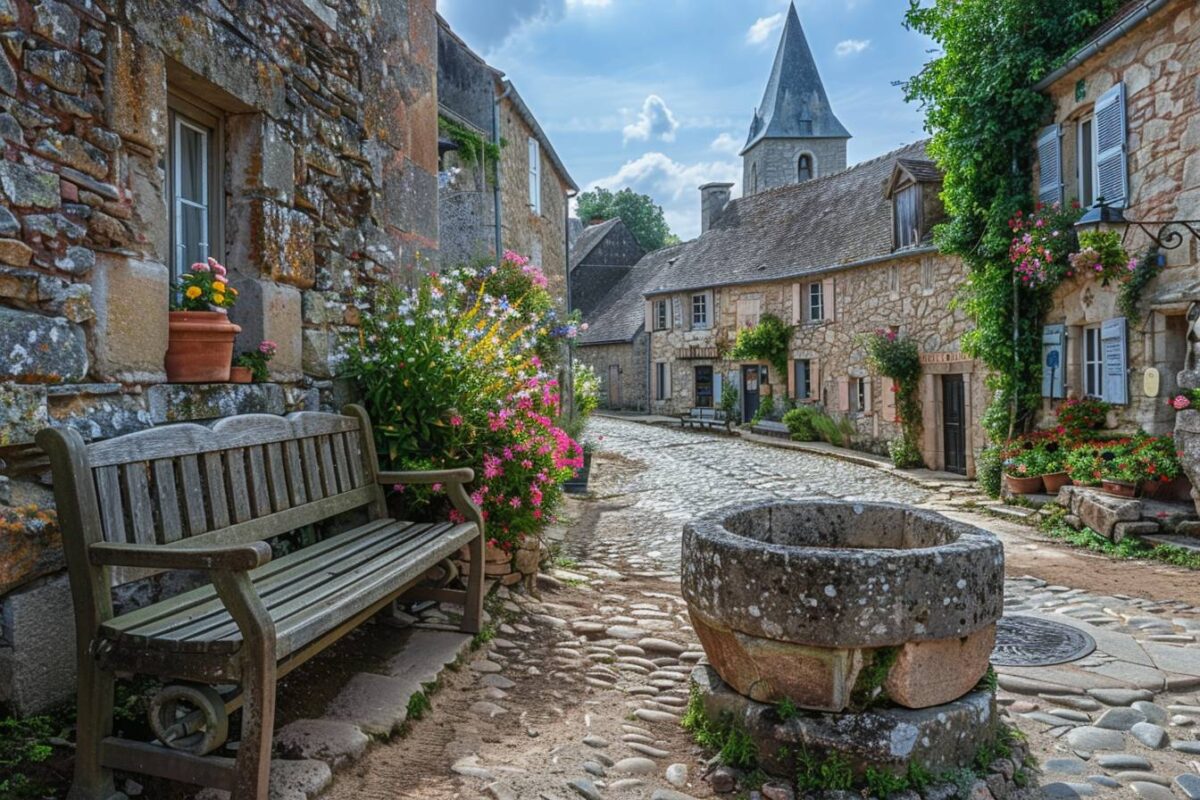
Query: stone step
(1190,543)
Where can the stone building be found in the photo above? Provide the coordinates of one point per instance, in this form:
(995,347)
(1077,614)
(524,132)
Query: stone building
(604,253)
(1126,127)
(794,134)
(835,258)
(294,141)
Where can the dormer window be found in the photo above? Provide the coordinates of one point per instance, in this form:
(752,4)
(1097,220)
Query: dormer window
(804,168)
(906,215)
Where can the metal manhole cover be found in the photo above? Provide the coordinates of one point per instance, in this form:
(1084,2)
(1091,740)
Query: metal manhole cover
(1023,641)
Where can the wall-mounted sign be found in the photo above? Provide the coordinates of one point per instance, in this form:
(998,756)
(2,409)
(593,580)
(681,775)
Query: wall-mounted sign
(944,358)
(1150,382)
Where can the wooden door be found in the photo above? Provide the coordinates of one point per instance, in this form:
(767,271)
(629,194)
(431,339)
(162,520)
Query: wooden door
(954,427)
(614,386)
(749,391)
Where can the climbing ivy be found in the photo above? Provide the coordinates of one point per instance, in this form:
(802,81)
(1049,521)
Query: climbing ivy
(897,357)
(473,147)
(983,111)
(769,340)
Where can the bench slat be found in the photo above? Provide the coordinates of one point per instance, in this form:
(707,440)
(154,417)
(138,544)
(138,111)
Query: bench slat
(171,526)
(193,494)
(328,472)
(238,486)
(296,479)
(112,507)
(214,476)
(141,509)
(355,458)
(341,462)
(277,479)
(312,469)
(260,499)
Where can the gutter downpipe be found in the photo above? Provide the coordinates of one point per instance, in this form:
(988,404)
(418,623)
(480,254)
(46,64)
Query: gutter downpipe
(496,168)
(1096,45)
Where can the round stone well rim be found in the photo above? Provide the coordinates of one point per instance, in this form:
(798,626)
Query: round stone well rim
(721,568)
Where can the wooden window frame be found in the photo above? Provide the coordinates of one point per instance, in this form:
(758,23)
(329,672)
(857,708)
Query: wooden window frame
(900,209)
(535,176)
(186,109)
(712,384)
(816,313)
(662,315)
(704,321)
(803,388)
(1092,363)
(1088,148)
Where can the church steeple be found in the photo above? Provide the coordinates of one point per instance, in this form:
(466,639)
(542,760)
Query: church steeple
(794,134)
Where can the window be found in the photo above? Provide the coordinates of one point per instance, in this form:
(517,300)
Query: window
(816,302)
(700,310)
(804,168)
(1087,162)
(860,394)
(753,178)
(193,186)
(662,317)
(660,380)
(1093,363)
(704,387)
(907,217)
(535,176)
(803,379)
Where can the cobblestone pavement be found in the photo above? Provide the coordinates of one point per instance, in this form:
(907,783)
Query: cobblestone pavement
(581,692)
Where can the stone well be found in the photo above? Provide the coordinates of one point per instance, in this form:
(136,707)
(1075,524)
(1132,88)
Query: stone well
(832,604)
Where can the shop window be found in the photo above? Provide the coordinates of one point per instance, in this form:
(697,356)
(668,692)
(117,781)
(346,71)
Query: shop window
(704,387)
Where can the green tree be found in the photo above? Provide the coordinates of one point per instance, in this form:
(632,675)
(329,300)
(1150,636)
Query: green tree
(983,111)
(639,212)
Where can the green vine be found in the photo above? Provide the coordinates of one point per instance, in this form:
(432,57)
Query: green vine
(473,147)
(769,341)
(897,357)
(981,104)
(1147,269)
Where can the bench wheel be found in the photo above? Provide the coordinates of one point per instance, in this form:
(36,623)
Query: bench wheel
(189,718)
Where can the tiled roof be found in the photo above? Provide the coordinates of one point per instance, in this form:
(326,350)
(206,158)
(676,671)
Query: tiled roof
(592,235)
(922,169)
(794,230)
(623,313)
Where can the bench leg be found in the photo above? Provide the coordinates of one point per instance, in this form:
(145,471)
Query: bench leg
(253,767)
(473,610)
(95,718)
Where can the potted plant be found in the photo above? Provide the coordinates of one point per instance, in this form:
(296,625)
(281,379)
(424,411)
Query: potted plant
(578,482)
(1160,467)
(1023,469)
(1079,415)
(1056,475)
(1083,465)
(252,365)
(1102,255)
(1120,473)
(200,339)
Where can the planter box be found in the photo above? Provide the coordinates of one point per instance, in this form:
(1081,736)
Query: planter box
(1024,485)
(1055,481)
(579,483)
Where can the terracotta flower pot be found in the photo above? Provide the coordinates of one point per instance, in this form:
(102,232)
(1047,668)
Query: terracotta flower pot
(199,347)
(1054,481)
(240,375)
(1119,488)
(1024,485)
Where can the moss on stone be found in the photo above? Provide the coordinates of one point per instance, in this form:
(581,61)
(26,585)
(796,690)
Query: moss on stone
(868,688)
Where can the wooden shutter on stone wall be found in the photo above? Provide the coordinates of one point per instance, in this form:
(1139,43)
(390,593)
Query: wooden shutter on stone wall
(868,383)
(718,387)
(1111,167)
(649,316)
(1054,361)
(791,378)
(828,300)
(1114,349)
(843,394)
(814,381)
(797,308)
(887,391)
(1049,149)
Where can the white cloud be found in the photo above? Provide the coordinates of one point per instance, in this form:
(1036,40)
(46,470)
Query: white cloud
(673,185)
(655,121)
(589,3)
(726,143)
(849,47)
(762,28)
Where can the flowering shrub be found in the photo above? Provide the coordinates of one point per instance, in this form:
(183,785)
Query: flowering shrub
(1186,399)
(205,288)
(1034,454)
(898,358)
(1041,243)
(1102,255)
(451,375)
(1080,414)
(256,360)
(587,389)
(1132,460)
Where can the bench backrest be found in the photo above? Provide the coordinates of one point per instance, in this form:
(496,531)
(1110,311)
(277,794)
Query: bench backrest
(245,479)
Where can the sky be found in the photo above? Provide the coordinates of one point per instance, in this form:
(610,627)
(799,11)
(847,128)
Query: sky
(658,95)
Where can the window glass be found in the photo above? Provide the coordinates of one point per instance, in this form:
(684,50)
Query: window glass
(191,216)
(535,176)
(660,315)
(816,302)
(804,169)
(908,217)
(660,380)
(803,379)
(1087,163)
(699,310)
(704,387)
(1093,363)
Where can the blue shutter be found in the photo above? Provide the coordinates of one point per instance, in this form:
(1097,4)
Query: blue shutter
(1114,349)
(718,388)
(1113,182)
(1049,149)
(1054,360)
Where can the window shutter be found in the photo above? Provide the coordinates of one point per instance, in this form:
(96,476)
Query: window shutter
(888,399)
(814,380)
(1114,348)
(1113,183)
(843,390)
(791,378)
(718,388)
(1054,361)
(868,406)
(797,309)
(649,316)
(828,301)
(1049,149)
(667,382)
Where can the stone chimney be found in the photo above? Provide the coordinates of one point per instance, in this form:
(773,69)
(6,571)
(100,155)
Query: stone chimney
(713,199)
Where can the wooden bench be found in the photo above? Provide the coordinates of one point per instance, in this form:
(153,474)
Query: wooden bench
(189,497)
(707,418)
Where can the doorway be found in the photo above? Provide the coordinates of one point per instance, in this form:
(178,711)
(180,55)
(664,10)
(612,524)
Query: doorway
(614,386)
(954,427)
(749,391)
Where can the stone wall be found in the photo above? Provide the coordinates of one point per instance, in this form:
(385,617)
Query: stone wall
(327,126)
(912,293)
(776,161)
(630,362)
(542,236)
(1159,63)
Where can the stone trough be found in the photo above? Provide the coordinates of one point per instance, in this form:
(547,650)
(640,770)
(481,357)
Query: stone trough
(865,611)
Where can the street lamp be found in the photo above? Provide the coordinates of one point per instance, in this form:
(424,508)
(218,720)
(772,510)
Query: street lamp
(1166,234)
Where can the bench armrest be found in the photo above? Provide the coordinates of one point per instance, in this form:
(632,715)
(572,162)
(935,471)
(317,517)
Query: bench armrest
(460,476)
(236,558)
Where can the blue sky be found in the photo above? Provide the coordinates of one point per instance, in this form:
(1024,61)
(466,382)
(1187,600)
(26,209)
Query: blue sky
(658,94)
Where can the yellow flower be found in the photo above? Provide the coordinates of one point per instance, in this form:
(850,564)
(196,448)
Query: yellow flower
(193,292)
(218,298)
(218,286)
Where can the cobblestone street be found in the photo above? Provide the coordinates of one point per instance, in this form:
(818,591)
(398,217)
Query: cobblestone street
(581,691)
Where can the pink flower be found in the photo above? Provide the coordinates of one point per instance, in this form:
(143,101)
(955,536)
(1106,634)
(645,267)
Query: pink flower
(200,267)
(1181,402)
(268,348)
(456,421)
(515,502)
(456,516)
(398,488)
(437,487)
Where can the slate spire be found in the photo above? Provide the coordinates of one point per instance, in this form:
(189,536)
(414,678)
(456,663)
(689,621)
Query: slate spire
(795,105)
